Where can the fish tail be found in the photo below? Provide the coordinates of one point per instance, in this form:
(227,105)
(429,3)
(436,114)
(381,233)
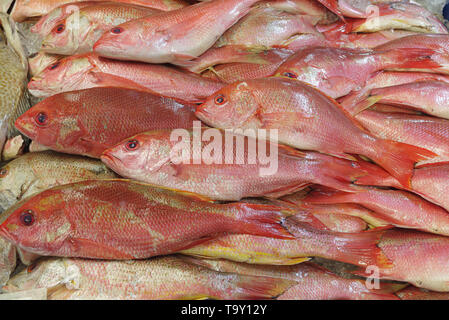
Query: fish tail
(257,288)
(399,159)
(262,220)
(410,58)
(330,197)
(380,179)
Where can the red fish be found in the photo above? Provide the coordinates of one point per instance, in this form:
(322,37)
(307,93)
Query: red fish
(87,122)
(305,119)
(121,219)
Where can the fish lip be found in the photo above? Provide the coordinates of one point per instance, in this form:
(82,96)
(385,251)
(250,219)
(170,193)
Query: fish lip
(106,157)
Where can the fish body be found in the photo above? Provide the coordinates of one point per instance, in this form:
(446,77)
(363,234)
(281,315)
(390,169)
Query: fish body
(122,219)
(89,71)
(400,208)
(175,36)
(427,132)
(413,293)
(34,172)
(235,175)
(313,281)
(297,111)
(79,31)
(338,71)
(87,122)
(160,278)
(355,248)
(418,258)
(13,74)
(24,9)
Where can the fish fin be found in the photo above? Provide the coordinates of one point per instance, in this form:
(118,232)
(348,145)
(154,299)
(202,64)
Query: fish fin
(272,120)
(256,288)
(433,164)
(358,107)
(411,58)
(109,80)
(184,60)
(90,249)
(399,159)
(286,190)
(330,197)
(195,243)
(381,179)
(262,220)
(196,297)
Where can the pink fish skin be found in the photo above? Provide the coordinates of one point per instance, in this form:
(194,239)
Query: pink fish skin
(427,132)
(338,71)
(439,43)
(123,219)
(399,208)
(418,258)
(413,293)
(429,181)
(310,8)
(297,111)
(150,161)
(179,35)
(89,71)
(341,222)
(354,8)
(313,281)
(430,97)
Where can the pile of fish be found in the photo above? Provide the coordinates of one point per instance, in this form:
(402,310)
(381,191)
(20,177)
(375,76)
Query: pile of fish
(96,207)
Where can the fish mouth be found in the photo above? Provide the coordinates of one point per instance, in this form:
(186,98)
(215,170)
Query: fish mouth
(110,159)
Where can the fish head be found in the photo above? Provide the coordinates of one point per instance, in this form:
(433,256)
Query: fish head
(15,178)
(38,223)
(128,38)
(69,36)
(234,106)
(39,61)
(47,22)
(139,155)
(64,75)
(45,273)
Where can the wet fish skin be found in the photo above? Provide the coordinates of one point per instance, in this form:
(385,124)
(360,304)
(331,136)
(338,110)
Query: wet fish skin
(418,258)
(24,9)
(81,29)
(123,219)
(176,36)
(7,260)
(296,110)
(89,71)
(314,281)
(152,162)
(413,293)
(158,278)
(34,172)
(80,122)
(41,61)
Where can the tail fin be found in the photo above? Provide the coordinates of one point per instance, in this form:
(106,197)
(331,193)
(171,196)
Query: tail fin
(410,58)
(330,197)
(381,179)
(256,288)
(262,220)
(399,159)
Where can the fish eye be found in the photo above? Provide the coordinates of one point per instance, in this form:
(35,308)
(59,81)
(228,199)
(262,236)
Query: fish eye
(3,172)
(27,218)
(54,66)
(290,75)
(31,267)
(132,145)
(220,100)
(117,30)
(60,28)
(41,119)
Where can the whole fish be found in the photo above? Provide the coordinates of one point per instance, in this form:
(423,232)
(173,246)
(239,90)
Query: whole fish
(7,260)
(355,248)
(399,208)
(24,9)
(13,74)
(79,31)
(122,219)
(38,171)
(313,281)
(429,181)
(338,71)
(266,27)
(413,293)
(175,36)
(395,15)
(40,61)
(158,278)
(87,122)
(427,132)
(149,157)
(89,71)
(305,119)
(418,258)
(430,97)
